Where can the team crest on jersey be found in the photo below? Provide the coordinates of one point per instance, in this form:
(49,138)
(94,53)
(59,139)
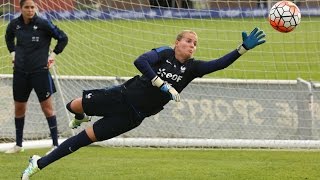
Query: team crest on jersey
(183,69)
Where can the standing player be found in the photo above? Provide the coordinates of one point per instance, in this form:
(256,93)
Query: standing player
(165,73)
(31,66)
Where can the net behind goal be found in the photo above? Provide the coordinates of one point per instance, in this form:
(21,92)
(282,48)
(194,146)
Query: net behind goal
(268,98)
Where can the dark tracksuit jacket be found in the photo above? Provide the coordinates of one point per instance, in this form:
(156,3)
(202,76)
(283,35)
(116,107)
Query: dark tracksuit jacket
(33,42)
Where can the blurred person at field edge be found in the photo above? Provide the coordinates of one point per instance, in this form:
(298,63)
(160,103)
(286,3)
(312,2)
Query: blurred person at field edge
(165,72)
(262,4)
(31,64)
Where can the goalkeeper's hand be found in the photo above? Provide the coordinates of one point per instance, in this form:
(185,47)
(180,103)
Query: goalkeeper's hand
(13,55)
(254,39)
(167,88)
(171,91)
(51,59)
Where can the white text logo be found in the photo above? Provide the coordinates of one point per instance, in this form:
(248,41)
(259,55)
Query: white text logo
(35,39)
(174,77)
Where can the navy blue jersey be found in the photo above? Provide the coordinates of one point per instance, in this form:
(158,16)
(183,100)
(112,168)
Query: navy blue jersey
(33,42)
(162,62)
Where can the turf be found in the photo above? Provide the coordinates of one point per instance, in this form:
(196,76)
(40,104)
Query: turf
(151,163)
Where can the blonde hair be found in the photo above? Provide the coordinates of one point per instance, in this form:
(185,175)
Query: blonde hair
(182,33)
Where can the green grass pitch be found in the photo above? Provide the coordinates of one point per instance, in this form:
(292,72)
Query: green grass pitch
(97,163)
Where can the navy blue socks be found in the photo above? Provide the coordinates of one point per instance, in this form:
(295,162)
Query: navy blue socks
(67,147)
(19,123)
(52,122)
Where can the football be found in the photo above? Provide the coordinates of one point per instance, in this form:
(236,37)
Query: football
(284,16)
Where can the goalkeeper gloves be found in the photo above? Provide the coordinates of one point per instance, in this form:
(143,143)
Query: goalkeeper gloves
(51,59)
(249,42)
(165,87)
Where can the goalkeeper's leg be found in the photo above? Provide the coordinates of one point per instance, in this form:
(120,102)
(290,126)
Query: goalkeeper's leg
(75,107)
(103,129)
(69,146)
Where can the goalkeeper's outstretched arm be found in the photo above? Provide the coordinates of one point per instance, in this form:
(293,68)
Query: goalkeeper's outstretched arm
(255,38)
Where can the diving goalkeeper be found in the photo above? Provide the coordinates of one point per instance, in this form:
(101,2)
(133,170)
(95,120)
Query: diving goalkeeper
(165,72)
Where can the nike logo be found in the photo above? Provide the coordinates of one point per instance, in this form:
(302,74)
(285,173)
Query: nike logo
(70,149)
(167,61)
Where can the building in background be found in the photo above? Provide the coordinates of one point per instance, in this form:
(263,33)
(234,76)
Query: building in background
(51,5)
(187,4)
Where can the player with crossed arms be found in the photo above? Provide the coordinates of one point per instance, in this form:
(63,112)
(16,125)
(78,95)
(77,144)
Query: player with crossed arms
(165,72)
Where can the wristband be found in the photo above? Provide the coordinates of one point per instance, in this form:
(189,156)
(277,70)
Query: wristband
(241,49)
(156,81)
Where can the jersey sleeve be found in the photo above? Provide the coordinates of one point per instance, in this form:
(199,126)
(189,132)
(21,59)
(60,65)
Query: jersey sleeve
(202,68)
(58,34)
(9,37)
(146,61)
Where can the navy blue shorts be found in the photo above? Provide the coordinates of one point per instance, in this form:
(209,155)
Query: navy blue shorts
(104,102)
(40,81)
(112,126)
(118,115)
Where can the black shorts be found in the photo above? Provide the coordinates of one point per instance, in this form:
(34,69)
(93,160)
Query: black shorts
(105,102)
(118,115)
(111,126)
(40,81)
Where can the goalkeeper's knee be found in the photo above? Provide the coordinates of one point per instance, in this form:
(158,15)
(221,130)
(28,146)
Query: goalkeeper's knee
(77,115)
(68,106)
